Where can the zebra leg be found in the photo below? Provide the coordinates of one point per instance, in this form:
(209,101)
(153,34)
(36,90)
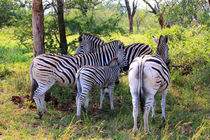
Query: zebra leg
(135,100)
(149,101)
(153,110)
(134,84)
(80,102)
(101,98)
(43,103)
(111,88)
(38,97)
(163,104)
(86,102)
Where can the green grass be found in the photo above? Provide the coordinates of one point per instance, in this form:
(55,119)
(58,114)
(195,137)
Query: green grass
(187,105)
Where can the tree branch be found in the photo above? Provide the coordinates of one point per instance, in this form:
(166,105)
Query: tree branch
(153,10)
(128,7)
(134,8)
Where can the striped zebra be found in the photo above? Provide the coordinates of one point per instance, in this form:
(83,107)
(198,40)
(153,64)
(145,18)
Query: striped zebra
(147,76)
(88,43)
(89,77)
(135,50)
(48,69)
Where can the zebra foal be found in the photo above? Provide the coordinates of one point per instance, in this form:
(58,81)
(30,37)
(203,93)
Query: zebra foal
(88,77)
(147,76)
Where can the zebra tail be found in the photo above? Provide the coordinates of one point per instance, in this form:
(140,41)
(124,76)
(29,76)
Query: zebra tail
(78,81)
(140,85)
(33,81)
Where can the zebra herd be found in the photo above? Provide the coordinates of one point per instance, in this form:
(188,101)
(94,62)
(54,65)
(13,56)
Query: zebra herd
(98,64)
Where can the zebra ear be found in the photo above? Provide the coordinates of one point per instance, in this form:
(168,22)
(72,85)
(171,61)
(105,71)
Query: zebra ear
(122,46)
(80,38)
(155,39)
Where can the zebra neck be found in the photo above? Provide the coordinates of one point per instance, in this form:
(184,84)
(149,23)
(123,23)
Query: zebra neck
(160,57)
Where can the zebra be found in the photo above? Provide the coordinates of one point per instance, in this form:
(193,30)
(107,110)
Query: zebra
(48,69)
(148,75)
(89,77)
(88,43)
(135,50)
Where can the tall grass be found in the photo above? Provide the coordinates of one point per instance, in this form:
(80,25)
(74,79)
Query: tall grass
(187,105)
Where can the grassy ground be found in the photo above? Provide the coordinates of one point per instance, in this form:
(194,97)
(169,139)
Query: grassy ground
(187,105)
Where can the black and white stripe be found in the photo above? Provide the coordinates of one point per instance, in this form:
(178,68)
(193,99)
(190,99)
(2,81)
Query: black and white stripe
(48,69)
(89,77)
(135,50)
(88,43)
(148,75)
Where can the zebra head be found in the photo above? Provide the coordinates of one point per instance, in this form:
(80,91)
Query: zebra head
(121,57)
(84,47)
(88,43)
(162,48)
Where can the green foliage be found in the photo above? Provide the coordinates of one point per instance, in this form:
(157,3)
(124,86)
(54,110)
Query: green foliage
(88,24)
(51,33)
(181,12)
(23,28)
(6,10)
(83,5)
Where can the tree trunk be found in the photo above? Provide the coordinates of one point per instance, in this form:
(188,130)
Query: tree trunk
(161,21)
(194,17)
(156,12)
(131,14)
(38,27)
(130,24)
(62,30)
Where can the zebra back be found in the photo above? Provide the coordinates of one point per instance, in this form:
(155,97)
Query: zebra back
(63,68)
(135,50)
(88,43)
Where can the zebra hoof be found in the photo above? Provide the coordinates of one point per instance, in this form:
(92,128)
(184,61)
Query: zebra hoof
(84,109)
(153,119)
(163,120)
(149,133)
(48,113)
(135,131)
(78,118)
(40,115)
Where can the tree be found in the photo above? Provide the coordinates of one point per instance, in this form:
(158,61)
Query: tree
(158,12)
(61,25)
(131,13)
(38,27)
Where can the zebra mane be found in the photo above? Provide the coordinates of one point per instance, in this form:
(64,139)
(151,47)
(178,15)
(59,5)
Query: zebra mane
(112,43)
(88,36)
